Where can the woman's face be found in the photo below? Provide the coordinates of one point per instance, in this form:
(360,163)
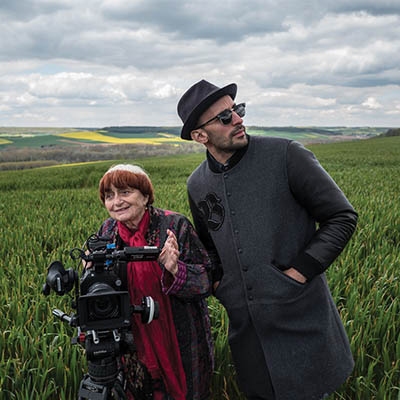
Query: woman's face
(126,205)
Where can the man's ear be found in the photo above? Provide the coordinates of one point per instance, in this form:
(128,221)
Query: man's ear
(199,135)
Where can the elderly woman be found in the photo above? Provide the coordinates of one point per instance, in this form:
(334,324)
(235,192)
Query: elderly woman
(176,348)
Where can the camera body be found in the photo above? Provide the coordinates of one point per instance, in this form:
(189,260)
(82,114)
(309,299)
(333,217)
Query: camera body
(102,297)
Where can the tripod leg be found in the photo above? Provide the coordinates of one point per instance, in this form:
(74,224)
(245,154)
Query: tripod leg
(89,390)
(117,392)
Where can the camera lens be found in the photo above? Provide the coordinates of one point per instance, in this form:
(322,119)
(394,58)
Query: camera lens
(104,302)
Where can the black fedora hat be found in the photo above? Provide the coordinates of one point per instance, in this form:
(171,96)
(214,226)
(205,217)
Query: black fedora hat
(196,100)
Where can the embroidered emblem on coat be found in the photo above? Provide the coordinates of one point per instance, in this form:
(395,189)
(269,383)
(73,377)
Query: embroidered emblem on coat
(213,211)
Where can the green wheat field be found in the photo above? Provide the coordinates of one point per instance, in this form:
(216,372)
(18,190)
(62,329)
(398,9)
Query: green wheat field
(45,212)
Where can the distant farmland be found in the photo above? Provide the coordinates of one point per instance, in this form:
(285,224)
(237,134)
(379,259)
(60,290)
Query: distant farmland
(42,137)
(25,137)
(25,148)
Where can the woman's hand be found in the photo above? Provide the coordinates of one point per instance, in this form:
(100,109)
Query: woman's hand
(170,253)
(87,264)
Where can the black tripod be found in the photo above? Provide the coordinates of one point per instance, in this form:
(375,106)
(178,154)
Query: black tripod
(105,379)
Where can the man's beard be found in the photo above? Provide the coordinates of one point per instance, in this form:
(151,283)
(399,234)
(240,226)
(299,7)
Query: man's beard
(233,146)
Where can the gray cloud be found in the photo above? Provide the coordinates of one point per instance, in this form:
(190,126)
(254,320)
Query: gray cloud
(93,63)
(25,10)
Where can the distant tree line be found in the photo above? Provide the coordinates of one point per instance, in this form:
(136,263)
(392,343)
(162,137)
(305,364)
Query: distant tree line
(295,129)
(28,157)
(141,129)
(392,132)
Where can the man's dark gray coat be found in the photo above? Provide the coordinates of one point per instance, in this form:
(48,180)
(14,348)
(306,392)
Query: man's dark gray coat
(278,208)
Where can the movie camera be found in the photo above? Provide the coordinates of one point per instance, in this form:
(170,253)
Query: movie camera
(103,310)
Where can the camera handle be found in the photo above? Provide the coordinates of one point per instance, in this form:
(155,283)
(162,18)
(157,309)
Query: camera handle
(96,339)
(63,316)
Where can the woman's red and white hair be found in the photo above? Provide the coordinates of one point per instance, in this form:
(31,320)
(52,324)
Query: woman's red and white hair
(123,176)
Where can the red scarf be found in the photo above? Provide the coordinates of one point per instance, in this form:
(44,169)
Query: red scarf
(156,342)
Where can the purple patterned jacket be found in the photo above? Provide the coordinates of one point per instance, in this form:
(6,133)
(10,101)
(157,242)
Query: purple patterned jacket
(188,292)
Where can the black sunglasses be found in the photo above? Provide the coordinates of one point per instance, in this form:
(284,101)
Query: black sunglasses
(225,117)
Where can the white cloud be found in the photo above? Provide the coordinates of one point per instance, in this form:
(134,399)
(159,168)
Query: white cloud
(106,62)
(372,103)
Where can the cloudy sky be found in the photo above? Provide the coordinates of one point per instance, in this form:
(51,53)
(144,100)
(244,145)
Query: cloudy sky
(95,63)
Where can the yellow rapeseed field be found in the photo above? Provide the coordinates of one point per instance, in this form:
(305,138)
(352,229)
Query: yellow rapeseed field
(99,137)
(5,141)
